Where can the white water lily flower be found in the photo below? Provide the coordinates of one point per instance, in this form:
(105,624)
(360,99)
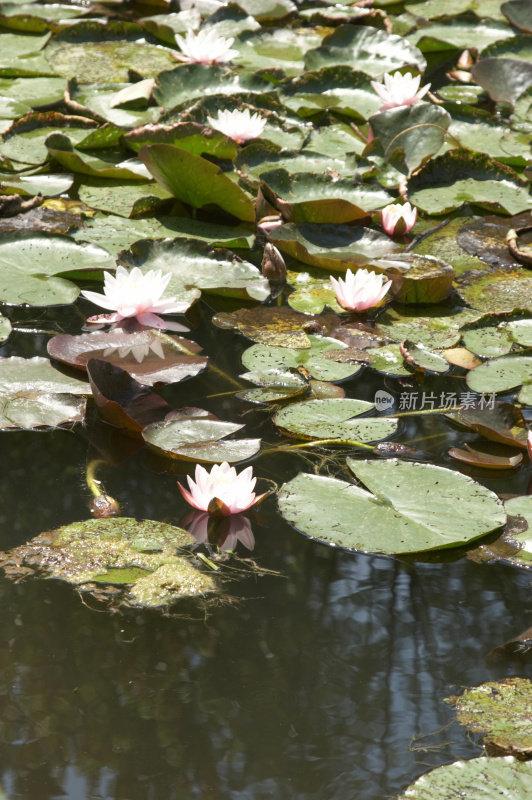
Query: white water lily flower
(204,47)
(234,492)
(136,294)
(361,290)
(400,90)
(238,125)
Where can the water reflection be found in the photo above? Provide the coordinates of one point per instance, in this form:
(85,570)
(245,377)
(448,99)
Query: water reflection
(223,532)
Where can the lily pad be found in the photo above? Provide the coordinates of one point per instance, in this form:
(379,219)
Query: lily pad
(388,360)
(418,279)
(334,419)
(319,198)
(504,79)
(34,409)
(48,185)
(332,246)
(485,238)
(37,375)
(199,438)
(442,243)
(498,422)
(188,82)
(61,148)
(492,336)
(35,92)
(194,265)
(485,458)
(260,157)
(500,710)
(25,140)
(518,13)
(98,100)
(332,88)
(419,130)
(282,47)
(191,136)
(159,568)
(127,199)
(278,327)
(477,131)
(477,779)
(430,326)
(459,32)
(501,374)
(497,290)
(312,361)
(459,177)
(148,356)
(423,359)
(196,181)
(311,294)
(415,507)
(373,51)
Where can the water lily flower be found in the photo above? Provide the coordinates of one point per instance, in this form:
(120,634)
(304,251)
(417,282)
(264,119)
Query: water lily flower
(400,90)
(136,294)
(398,219)
(204,47)
(238,125)
(221,491)
(361,290)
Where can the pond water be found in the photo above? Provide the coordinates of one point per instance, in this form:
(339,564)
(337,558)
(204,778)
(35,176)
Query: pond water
(325,681)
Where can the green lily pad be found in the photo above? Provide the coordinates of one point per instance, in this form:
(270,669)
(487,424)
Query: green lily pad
(31,263)
(189,82)
(430,326)
(147,558)
(419,130)
(496,290)
(501,374)
(521,507)
(35,92)
(37,375)
(320,198)
(335,418)
(459,177)
(311,294)
(418,279)
(504,79)
(490,337)
(25,139)
(106,60)
(282,47)
(459,32)
(199,439)
(414,507)
(332,88)
(500,710)
(127,198)
(373,51)
(97,100)
(422,358)
(35,409)
(196,181)
(518,13)
(49,185)
(260,157)
(61,148)
(430,9)
(388,360)
(191,136)
(335,141)
(477,779)
(193,263)
(518,46)
(441,243)
(118,233)
(476,131)
(332,246)
(313,359)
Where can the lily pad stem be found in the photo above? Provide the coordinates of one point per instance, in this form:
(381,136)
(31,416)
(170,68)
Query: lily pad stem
(90,476)
(318,443)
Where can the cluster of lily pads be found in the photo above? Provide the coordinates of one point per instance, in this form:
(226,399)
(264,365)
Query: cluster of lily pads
(353,180)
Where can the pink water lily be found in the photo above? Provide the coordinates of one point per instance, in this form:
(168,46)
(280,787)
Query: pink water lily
(136,294)
(398,219)
(361,290)
(238,125)
(221,491)
(204,47)
(400,90)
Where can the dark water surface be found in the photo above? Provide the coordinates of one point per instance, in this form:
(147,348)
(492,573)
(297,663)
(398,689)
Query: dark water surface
(326,682)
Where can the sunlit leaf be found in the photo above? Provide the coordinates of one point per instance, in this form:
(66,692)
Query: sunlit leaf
(334,419)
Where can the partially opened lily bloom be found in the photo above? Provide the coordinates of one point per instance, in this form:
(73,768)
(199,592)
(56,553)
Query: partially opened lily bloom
(221,491)
(399,90)
(135,294)
(204,47)
(238,125)
(398,219)
(361,290)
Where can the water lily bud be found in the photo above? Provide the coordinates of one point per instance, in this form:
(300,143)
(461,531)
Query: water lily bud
(104,506)
(273,266)
(398,219)
(465,61)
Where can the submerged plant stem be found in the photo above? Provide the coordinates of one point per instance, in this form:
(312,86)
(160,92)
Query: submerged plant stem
(90,476)
(318,443)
